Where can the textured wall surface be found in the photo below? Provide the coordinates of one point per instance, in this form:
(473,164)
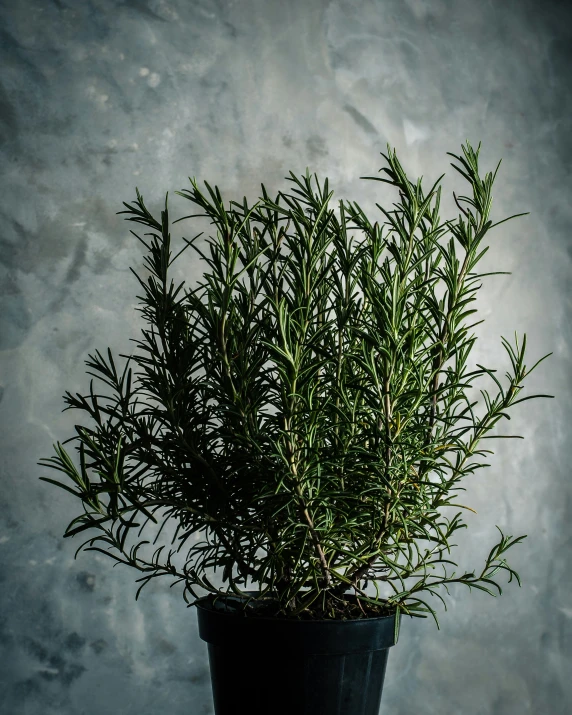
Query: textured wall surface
(97,97)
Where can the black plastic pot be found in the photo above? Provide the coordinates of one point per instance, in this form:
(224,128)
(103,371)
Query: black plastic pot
(272,666)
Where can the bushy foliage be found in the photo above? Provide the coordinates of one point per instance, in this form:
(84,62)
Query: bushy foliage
(306,413)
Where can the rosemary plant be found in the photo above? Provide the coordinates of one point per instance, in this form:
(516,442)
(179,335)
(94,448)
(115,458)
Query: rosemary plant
(307,412)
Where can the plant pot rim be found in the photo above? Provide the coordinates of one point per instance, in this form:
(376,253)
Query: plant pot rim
(206,604)
(233,629)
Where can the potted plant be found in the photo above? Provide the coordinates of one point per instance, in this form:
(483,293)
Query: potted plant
(305,415)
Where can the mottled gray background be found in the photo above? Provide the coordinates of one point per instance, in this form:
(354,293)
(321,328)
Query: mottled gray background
(97,97)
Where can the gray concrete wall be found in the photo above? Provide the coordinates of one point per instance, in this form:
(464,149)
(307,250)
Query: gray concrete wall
(97,97)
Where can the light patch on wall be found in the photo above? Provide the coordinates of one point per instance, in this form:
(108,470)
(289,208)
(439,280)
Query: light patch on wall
(99,98)
(164,10)
(154,79)
(414,132)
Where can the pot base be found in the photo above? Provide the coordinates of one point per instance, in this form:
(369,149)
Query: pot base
(315,684)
